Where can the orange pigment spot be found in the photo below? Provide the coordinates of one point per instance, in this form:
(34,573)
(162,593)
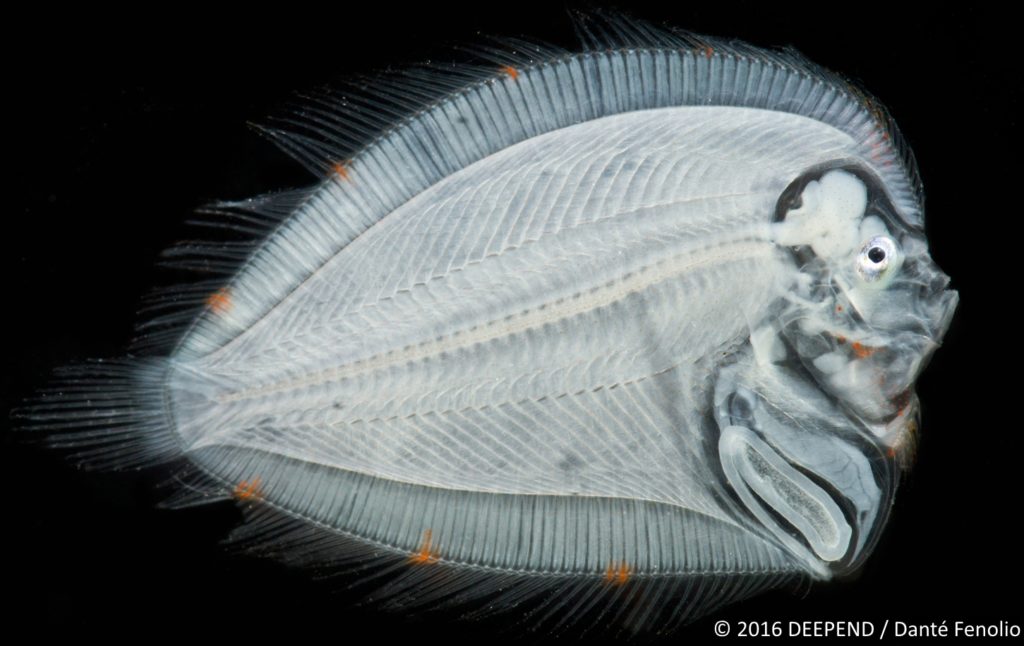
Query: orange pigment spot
(892,451)
(341,170)
(708,51)
(840,339)
(426,553)
(219,301)
(839,308)
(617,573)
(512,72)
(247,490)
(881,149)
(903,401)
(862,351)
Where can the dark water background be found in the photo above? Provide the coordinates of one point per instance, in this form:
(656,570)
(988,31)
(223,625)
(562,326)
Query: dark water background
(124,123)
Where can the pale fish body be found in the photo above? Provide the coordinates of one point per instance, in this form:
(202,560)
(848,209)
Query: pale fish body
(642,318)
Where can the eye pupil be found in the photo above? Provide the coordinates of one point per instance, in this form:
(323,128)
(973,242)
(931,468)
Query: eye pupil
(876,254)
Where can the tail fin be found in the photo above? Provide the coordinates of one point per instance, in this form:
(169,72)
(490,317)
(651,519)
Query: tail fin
(108,415)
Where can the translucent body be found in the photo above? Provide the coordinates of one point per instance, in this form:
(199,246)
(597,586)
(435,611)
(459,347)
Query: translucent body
(605,320)
(493,291)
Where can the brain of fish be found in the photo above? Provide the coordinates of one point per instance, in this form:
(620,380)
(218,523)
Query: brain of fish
(615,336)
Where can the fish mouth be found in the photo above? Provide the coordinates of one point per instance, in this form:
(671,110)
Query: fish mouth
(948,301)
(933,303)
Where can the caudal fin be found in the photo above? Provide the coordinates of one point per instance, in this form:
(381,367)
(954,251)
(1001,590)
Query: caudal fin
(106,414)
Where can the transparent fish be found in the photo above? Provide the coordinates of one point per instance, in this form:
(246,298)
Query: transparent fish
(641,322)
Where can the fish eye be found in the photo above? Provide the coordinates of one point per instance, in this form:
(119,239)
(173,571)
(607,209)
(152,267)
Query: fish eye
(879,256)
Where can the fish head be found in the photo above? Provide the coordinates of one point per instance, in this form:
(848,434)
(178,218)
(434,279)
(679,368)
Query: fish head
(870,306)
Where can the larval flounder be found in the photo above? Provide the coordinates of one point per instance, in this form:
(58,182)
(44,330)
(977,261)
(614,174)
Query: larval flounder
(648,315)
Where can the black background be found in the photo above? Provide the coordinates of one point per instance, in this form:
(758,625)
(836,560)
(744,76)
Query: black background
(124,123)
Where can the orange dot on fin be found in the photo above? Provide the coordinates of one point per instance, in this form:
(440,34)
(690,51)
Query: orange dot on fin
(426,554)
(248,490)
(219,301)
(341,170)
(512,72)
(617,573)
